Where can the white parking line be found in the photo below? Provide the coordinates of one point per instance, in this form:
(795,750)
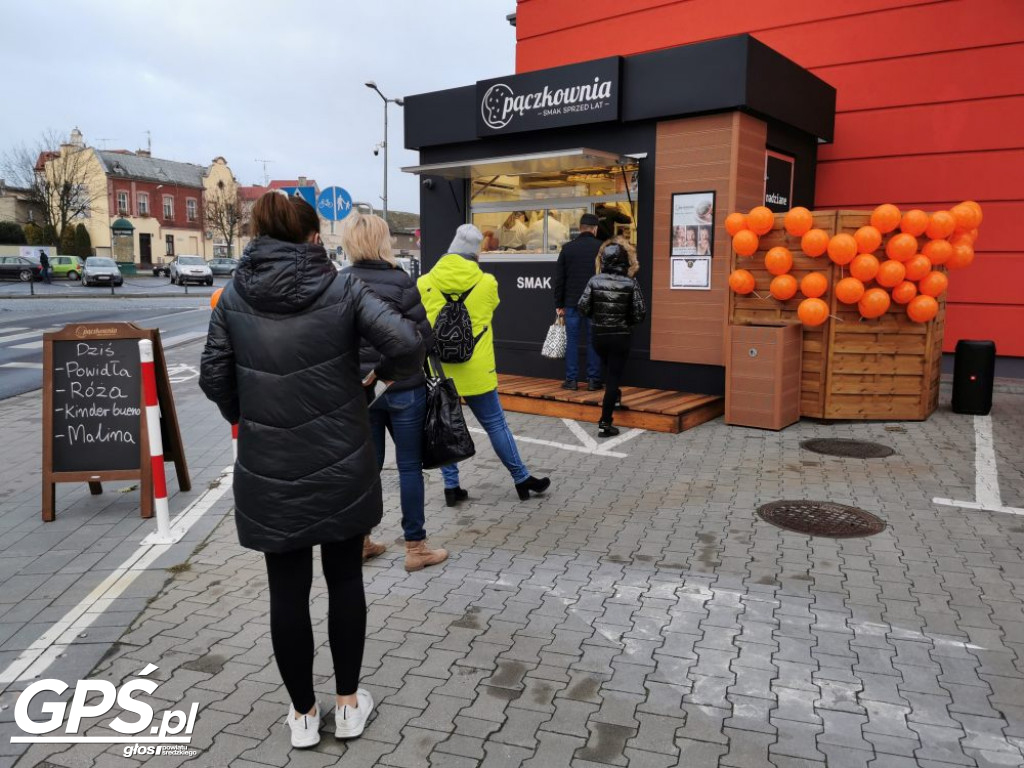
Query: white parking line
(22,365)
(28,345)
(30,335)
(986,474)
(37,658)
(183,338)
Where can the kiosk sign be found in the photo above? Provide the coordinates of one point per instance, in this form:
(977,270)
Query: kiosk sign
(570,95)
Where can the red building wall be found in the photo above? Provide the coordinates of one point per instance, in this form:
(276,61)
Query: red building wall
(157,192)
(930,108)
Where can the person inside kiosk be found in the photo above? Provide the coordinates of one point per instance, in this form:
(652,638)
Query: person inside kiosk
(536,213)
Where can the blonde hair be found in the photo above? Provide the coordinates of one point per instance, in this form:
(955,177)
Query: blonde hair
(366,237)
(634,264)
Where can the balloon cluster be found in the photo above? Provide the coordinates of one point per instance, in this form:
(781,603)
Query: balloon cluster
(907,272)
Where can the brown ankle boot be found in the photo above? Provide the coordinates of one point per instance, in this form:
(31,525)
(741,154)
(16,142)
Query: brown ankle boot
(417,556)
(371,548)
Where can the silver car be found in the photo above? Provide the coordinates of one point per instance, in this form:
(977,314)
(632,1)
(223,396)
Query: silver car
(101,270)
(191,269)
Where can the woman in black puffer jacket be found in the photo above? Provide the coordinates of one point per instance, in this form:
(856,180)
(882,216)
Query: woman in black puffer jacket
(614,303)
(282,360)
(401,408)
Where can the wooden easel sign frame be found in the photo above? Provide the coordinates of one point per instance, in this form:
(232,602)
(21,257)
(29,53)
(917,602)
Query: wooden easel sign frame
(94,418)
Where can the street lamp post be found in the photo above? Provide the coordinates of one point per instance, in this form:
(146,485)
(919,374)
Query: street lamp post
(399,102)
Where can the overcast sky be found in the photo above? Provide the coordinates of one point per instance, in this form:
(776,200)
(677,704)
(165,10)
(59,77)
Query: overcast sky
(273,79)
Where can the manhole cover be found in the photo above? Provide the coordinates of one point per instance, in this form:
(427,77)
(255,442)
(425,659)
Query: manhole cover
(821,518)
(851,449)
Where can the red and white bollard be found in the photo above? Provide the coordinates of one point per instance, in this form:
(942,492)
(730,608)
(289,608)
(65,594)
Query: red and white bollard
(234,442)
(156,446)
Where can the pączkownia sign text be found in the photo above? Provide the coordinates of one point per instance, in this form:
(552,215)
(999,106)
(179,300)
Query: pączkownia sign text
(553,98)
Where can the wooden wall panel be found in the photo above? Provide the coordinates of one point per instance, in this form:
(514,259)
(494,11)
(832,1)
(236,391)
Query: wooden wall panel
(724,153)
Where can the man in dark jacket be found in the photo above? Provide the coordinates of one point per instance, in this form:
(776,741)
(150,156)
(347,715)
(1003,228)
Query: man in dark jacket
(44,262)
(576,265)
(608,216)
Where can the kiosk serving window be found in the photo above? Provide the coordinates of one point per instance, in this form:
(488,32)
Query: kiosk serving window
(528,206)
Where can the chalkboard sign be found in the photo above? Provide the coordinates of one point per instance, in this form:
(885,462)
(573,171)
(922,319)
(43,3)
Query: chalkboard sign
(94,419)
(97,405)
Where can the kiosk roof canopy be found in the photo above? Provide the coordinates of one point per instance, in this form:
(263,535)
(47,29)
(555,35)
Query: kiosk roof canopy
(524,165)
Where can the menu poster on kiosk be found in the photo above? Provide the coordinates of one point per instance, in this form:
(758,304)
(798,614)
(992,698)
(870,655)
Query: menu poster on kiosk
(693,224)
(692,240)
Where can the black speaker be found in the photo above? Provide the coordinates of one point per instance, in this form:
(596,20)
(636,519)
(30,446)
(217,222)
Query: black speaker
(974,373)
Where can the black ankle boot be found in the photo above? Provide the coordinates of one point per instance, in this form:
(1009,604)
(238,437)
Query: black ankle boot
(605,429)
(453,496)
(537,485)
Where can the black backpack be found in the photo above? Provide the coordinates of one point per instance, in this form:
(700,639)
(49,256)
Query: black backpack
(453,330)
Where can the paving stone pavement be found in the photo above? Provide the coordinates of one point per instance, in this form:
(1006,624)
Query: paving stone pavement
(640,614)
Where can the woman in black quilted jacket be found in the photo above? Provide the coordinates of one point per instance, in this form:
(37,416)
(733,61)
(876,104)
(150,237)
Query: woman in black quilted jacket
(614,303)
(282,360)
(401,408)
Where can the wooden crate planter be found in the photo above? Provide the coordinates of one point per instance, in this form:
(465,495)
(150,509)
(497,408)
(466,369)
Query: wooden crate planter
(886,368)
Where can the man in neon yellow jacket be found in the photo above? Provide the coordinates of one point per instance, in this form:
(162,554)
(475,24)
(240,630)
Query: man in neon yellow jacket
(455,274)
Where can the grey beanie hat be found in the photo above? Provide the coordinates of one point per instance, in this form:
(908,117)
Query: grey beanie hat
(467,240)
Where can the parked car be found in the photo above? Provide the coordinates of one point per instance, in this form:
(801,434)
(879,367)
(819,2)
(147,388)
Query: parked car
(223,266)
(19,268)
(163,268)
(191,269)
(66,266)
(101,270)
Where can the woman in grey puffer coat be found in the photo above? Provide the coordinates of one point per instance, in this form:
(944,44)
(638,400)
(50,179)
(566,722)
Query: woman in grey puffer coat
(614,303)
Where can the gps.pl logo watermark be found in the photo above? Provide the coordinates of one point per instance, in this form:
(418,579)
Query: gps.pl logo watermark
(170,736)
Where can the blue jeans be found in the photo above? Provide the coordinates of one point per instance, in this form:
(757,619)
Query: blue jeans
(487,409)
(575,325)
(401,413)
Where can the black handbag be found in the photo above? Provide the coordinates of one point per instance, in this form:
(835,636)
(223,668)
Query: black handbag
(446,438)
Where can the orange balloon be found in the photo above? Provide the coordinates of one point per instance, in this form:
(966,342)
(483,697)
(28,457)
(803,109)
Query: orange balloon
(874,303)
(904,292)
(814,242)
(734,222)
(937,251)
(891,273)
(933,284)
(745,243)
(814,285)
(974,235)
(812,311)
(921,309)
(760,220)
(864,267)
(842,248)
(885,218)
(977,208)
(914,222)
(918,267)
(797,221)
(967,216)
(783,287)
(778,260)
(901,247)
(741,281)
(940,225)
(849,290)
(868,239)
(963,237)
(215,297)
(963,255)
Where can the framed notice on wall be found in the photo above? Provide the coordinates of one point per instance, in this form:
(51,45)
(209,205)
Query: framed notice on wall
(691,273)
(693,224)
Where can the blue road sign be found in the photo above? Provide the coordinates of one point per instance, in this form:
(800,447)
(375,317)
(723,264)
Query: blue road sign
(334,204)
(306,193)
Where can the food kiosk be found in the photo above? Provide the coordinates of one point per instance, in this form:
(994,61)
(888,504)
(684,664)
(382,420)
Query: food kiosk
(661,146)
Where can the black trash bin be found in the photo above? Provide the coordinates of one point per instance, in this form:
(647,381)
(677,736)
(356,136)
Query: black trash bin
(974,372)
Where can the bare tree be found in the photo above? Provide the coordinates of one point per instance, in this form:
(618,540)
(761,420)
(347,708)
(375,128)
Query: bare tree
(59,175)
(226,214)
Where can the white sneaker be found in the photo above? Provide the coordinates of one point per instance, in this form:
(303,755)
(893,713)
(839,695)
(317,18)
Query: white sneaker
(305,728)
(349,722)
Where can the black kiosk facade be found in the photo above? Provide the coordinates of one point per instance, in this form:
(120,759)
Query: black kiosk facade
(661,145)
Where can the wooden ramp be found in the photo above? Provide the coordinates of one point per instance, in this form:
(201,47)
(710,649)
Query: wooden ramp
(657,410)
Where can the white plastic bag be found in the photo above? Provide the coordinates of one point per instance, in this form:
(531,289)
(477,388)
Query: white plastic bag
(554,344)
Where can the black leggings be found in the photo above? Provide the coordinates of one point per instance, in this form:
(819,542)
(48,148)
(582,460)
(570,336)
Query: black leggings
(614,351)
(291,629)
